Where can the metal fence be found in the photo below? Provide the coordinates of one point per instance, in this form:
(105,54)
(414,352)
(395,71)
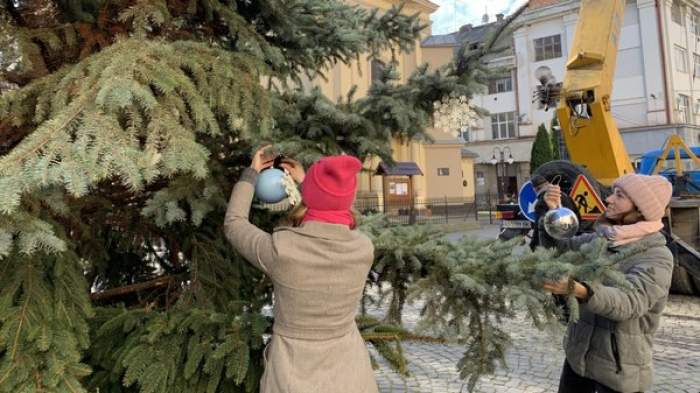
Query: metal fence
(430,210)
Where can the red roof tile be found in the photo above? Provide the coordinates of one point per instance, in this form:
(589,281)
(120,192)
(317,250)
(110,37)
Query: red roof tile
(542,3)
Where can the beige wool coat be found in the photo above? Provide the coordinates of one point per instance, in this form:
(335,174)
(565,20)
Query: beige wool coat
(318,271)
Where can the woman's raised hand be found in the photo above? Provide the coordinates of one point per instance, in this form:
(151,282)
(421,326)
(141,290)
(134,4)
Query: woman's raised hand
(552,196)
(261,160)
(295,169)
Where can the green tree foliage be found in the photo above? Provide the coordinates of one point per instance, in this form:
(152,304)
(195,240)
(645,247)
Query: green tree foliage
(541,149)
(467,288)
(123,126)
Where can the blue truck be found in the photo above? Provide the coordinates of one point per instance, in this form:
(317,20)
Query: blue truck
(688,182)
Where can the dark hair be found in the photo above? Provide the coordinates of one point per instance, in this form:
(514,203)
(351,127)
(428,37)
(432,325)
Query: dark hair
(538,181)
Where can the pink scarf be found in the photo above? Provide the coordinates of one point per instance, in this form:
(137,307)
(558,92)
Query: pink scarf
(331,217)
(623,234)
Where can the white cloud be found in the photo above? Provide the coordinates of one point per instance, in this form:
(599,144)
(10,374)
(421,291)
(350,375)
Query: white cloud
(446,20)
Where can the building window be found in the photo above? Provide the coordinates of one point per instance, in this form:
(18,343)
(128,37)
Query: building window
(676,14)
(697,107)
(695,23)
(465,134)
(548,47)
(501,85)
(680,56)
(443,171)
(503,125)
(684,107)
(480,179)
(696,69)
(375,70)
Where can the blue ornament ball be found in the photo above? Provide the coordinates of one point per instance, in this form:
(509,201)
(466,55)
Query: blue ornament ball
(270,188)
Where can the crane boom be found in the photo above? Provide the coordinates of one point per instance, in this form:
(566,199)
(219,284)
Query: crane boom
(588,127)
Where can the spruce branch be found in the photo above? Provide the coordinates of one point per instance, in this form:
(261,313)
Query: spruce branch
(127,132)
(166,280)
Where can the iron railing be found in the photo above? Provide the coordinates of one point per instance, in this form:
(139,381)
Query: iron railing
(430,210)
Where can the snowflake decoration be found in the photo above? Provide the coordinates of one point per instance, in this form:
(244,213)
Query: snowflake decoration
(290,186)
(455,114)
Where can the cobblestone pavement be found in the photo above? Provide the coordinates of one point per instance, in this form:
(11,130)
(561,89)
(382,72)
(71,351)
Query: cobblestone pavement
(535,357)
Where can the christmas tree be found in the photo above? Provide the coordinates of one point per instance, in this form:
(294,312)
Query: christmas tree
(467,288)
(124,125)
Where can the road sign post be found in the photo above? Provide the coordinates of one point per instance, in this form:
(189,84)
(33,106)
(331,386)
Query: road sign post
(527,200)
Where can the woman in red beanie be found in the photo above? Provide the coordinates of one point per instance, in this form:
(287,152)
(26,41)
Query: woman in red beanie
(318,266)
(609,349)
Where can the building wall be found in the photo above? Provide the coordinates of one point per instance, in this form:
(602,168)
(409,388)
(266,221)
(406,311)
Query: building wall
(438,159)
(549,24)
(436,57)
(680,37)
(647,83)
(342,77)
(633,72)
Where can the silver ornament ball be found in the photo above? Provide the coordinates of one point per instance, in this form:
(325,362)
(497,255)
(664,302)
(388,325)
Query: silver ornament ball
(561,223)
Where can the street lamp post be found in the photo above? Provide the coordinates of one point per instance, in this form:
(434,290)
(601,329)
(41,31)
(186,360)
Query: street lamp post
(503,161)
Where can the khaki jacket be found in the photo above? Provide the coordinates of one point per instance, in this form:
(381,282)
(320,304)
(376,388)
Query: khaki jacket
(612,341)
(318,271)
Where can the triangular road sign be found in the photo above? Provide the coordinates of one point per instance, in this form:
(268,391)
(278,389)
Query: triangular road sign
(587,201)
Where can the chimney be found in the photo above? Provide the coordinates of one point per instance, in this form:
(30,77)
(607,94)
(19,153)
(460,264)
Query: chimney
(465,28)
(499,17)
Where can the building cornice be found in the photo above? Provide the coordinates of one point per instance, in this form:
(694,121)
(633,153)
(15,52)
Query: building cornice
(423,5)
(551,11)
(646,3)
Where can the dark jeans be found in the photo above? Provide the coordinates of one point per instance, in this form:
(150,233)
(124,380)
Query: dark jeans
(571,382)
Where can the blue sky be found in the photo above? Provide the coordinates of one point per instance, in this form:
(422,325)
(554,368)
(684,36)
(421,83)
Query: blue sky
(468,11)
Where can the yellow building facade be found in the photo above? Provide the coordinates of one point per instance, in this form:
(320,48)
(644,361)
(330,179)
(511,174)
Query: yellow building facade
(443,173)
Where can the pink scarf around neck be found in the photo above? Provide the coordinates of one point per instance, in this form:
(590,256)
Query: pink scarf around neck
(332,217)
(623,234)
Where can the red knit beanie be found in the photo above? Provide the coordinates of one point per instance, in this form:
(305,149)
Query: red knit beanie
(330,183)
(651,194)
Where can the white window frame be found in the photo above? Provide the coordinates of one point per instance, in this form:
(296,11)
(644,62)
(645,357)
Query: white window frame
(676,13)
(697,106)
(696,63)
(503,125)
(547,47)
(694,23)
(680,56)
(466,135)
(684,106)
(501,85)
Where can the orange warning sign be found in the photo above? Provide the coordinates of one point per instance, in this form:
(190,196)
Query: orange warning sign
(587,201)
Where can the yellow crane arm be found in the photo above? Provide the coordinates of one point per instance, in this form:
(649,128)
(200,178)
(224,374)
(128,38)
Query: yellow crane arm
(588,127)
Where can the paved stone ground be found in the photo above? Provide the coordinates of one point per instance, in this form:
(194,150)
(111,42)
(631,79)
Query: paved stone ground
(535,358)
